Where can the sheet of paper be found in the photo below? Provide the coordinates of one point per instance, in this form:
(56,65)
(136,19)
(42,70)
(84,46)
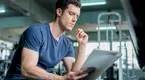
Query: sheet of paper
(101,60)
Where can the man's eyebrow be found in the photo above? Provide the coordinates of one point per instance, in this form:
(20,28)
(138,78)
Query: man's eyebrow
(74,13)
(71,11)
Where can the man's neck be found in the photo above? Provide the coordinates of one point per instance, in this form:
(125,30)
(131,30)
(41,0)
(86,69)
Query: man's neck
(56,30)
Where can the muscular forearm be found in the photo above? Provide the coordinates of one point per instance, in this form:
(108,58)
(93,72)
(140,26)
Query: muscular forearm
(38,73)
(80,58)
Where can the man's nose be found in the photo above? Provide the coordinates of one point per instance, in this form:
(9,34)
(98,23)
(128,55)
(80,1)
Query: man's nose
(74,18)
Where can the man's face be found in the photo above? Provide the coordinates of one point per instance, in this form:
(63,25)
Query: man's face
(69,17)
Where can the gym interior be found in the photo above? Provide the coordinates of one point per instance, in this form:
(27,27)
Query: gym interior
(112,25)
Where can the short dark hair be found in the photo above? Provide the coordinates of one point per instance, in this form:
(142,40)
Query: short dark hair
(63,4)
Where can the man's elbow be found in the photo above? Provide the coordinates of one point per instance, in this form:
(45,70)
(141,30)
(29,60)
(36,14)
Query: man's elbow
(25,72)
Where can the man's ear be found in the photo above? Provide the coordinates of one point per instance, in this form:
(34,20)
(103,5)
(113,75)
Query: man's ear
(59,12)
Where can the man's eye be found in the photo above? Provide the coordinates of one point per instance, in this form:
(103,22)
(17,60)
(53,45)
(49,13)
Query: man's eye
(71,13)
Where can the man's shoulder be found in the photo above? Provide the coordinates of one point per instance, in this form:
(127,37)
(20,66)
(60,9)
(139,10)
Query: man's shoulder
(37,27)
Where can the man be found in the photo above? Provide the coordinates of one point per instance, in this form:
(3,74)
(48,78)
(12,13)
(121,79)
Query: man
(42,46)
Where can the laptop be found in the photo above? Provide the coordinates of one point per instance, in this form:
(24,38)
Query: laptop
(98,62)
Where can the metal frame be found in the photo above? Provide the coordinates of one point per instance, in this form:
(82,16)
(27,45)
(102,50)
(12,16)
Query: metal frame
(119,20)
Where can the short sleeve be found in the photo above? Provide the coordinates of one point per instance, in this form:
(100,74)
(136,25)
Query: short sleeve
(70,52)
(31,38)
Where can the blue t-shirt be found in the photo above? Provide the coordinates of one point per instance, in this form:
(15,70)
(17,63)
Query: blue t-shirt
(39,38)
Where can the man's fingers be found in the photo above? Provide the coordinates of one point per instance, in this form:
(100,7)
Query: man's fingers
(80,76)
(81,71)
(84,69)
(77,75)
(78,32)
(81,34)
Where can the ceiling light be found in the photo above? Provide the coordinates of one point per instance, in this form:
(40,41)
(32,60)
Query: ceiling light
(2,11)
(93,3)
(106,28)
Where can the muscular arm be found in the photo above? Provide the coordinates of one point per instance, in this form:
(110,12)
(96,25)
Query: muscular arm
(29,68)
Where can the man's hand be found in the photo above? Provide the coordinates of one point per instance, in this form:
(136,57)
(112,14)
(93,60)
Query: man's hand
(81,36)
(76,75)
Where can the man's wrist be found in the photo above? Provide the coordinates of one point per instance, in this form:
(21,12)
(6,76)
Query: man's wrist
(82,44)
(63,78)
(66,77)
